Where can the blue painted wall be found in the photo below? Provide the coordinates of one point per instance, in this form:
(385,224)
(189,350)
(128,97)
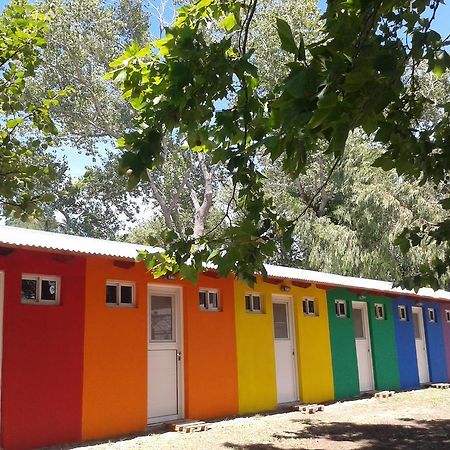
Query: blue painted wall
(435,344)
(406,345)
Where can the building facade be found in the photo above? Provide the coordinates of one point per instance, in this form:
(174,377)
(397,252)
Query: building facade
(93,347)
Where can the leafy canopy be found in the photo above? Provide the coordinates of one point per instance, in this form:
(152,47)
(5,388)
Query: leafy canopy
(361,73)
(26,127)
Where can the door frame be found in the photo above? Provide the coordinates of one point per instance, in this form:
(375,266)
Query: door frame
(177,291)
(419,311)
(281,298)
(365,307)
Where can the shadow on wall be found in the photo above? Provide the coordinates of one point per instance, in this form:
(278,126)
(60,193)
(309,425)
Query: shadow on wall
(412,433)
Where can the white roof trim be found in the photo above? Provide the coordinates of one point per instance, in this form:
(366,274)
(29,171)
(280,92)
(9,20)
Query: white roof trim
(22,237)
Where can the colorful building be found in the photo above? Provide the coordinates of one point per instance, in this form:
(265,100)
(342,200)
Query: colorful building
(93,347)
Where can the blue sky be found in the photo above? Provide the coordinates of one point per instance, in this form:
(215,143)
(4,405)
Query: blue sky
(77,162)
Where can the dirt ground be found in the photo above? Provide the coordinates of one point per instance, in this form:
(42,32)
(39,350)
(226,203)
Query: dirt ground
(409,420)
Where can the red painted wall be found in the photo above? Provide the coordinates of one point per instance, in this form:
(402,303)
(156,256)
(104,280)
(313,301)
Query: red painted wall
(42,354)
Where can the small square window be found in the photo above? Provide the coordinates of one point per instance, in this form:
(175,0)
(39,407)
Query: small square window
(379,311)
(431,315)
(202,300)
(248,302)
(256,303)
(111,294)
(253,303)
(48,290)
(126,295)
(309,307)
(40,289)
(341,308)
(29,290)
(213,300)
(402,313)
(208,299)
(119,293)
(447,315)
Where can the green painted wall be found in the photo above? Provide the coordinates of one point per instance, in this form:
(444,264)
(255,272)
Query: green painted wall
(343,351)
(384,348)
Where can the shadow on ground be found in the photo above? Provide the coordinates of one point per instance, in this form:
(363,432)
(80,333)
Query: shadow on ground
(410,434)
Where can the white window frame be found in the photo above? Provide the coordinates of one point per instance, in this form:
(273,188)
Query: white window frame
(208,306)
(432,311)
(338,312)
(39,279)
(118,284)
(447,315)
(405,310)
(380,307)
(308,301)
(252,309)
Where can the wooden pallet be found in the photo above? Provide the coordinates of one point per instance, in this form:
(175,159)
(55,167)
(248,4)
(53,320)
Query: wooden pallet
(309,409)
(188,426)
(441,385)
(383,394)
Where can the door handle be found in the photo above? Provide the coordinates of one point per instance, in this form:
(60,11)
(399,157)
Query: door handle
(179,356)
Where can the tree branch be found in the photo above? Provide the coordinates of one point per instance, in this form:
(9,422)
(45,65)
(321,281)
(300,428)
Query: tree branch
(308,206)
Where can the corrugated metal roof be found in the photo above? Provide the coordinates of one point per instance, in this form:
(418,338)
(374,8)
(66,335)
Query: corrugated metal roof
(312,276)
(22,237)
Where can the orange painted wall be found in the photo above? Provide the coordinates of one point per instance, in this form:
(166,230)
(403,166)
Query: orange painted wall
(210,352)
(115,358)
(115,364)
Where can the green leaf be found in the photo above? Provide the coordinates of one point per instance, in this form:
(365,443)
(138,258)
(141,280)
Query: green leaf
(339,138)
(286,37)
(445,203)
(403,243)
(189,273)
(14,122)
(229,22)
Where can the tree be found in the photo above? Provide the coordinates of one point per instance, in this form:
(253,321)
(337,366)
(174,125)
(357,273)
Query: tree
(26,126)
(85,36)
(352,225)
(362,73)
(270,59)
(95,205)
(184,179)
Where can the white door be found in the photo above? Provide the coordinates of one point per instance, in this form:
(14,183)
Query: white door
(421,345)
(363,348)
(165,374)
(285,354)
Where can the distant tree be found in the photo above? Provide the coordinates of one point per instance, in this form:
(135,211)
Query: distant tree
(85,36)
(95,205)
(352,226)
(26,125)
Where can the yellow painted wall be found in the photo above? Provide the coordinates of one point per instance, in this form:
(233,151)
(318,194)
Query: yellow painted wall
(255,351)
(256,355)
(315,368)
